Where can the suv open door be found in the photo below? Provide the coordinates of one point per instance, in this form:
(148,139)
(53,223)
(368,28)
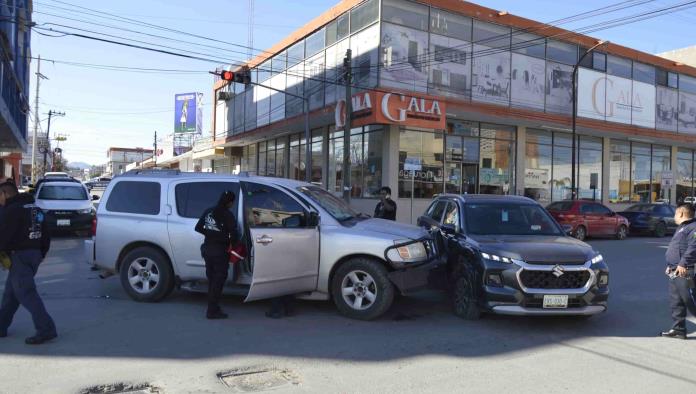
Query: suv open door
(284,242)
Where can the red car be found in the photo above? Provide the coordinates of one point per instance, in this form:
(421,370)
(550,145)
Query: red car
(589,219)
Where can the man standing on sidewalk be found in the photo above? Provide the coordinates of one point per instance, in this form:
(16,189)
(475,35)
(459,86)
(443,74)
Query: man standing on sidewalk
(681,257)
(24,238)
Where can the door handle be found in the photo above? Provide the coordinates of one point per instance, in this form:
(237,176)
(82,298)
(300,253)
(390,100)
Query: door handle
(264,239)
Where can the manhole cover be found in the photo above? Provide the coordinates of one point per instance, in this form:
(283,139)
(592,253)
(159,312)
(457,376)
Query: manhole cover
(123,388)
(255,379)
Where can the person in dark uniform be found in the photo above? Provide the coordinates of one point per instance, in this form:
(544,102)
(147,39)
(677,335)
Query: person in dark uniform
(23,237)
(681,257)
(219,226)
(386,208)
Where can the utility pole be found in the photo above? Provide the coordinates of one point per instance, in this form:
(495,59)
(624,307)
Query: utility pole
(39,77)
(347,79)
(48,134)
(154,156)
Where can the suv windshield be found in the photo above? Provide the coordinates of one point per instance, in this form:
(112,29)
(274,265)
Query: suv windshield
(330,203)
(509,219)
(55,192)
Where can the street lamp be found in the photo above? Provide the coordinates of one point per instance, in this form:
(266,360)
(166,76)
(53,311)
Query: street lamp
(573,188)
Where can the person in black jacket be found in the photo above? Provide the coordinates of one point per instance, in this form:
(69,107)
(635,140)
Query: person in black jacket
(23,237)
(681,258)
(386,208)
(219,226)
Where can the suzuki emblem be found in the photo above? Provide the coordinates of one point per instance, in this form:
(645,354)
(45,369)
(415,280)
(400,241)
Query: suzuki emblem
(557,271)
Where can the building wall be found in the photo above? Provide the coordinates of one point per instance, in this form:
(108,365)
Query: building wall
(683,55)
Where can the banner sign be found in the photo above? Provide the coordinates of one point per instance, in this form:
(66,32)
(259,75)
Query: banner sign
(188,113)
(393,108)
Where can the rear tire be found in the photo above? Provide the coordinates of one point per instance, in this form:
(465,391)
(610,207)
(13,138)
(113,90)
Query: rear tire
(581,233)
(361,289)
(622,232)
(146,274)
(660,230)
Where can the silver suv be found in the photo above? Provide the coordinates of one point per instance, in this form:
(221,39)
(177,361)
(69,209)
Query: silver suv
(302,240)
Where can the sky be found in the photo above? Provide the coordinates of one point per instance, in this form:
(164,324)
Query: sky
(107,108)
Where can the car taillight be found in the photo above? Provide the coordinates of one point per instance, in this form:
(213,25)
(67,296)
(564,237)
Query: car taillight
(94,226)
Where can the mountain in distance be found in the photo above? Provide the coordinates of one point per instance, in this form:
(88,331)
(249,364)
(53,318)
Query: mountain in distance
(79,165)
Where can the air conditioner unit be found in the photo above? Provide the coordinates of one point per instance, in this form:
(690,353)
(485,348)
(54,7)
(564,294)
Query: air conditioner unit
(223,95)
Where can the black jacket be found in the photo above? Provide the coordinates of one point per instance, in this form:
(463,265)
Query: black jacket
(682,248)
(23,226)
(219,226)
(386,210)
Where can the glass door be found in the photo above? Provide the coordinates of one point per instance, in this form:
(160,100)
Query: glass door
(470,178)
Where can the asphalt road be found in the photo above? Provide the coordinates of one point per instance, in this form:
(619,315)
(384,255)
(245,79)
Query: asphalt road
(106,339)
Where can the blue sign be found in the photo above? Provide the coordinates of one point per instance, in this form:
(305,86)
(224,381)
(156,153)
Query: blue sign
(187,113)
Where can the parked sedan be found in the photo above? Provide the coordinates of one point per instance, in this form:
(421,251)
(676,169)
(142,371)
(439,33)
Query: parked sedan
(657,219)
(506,255)
(589,219)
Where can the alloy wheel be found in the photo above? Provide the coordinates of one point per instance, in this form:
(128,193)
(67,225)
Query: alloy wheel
(143,275)
(359,290)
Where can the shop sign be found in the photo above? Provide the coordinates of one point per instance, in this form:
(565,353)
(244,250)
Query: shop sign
(492,177)
(667,178)
(536,178)
(393,108)
(413,164)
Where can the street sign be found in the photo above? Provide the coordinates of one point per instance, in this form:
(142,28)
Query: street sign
(413,164)
(667,178)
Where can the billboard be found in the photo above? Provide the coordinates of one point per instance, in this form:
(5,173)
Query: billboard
(188,113)
(528,82)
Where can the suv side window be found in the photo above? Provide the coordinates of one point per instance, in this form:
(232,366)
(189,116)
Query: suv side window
(586,208)
(436,210)
(195,197)
(266,206)
(601,209)
(135,197)
(452,214)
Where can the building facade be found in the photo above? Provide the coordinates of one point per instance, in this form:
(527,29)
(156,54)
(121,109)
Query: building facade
(15,56)
(454,97)
(120,158)
(684,55)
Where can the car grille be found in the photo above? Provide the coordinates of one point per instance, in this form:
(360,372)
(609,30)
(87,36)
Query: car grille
(548,280)
(576,262)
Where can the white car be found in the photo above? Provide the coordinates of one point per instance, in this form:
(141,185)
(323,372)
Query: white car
(690,200)
(66,204)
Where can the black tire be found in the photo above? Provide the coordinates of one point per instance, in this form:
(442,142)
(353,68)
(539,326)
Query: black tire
(660,230)
(380,286)
(464,294)
(622,232)
(580,233)
(160,266)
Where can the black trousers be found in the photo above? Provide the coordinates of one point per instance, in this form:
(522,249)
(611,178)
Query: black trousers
(216,265)
(20,289)
(680,300)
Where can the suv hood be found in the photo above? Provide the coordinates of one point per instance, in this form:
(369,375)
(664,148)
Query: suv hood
(537,249)
(398,230)
(63,205)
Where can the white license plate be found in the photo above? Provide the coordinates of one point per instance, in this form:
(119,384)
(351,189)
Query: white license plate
(555,301)
(63,222)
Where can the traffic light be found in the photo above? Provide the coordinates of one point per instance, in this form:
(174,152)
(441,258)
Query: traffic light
(243,76)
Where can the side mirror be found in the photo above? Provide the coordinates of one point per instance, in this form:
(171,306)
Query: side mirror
(95,197)
(449,229)
(428,223)
(313,219)
(567,229)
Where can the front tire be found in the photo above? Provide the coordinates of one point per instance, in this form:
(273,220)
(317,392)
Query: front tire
(146,275)
(622,232)
(464,295)
(361,289)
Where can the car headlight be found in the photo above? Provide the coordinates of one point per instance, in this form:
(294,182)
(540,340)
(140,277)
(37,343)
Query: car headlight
(411,252)
(85,211)
(597,259)
(500,259)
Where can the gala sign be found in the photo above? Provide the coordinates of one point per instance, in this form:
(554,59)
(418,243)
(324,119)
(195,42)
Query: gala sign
(393,108)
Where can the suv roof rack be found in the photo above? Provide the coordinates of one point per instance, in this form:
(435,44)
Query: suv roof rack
(152,171)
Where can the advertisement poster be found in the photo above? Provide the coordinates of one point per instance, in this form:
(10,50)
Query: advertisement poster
(618,99)
(528,82)
(404,62)
(450,71)
(687,113)
(559,85)
(491,76)
(187,113)
(666,107)
(591,94)
(643,105)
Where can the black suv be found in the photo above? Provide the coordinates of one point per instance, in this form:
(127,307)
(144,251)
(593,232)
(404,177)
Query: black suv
(507,255)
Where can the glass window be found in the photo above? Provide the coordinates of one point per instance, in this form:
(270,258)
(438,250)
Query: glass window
(599,61)
(687,84)
(509,219)
(55,192)
(436,210)
(589,167)
(363,15)
(249,110)
(262,159)
(560,206)
(619,66)
(266,206)
(335,184)
(373,146)
(296,53)
(193,198)
(673,80)
(135,197)
(314,85)
(297,157)
(404,62)
(644,73)
(497,160)
(336,207)
(364,46)
(279,62)
(450,71)
(620,172)
(271,158)
(451,215)
(538,166)
(661,77)
(317,156)
(450,24)
(264,71)
(490,35)
(561,52)
(356,163)
(640,172)
(661,162)
(280,158)
(529,44)
(428,147)
(559,85)
(685,175)
(527,80)
(600,209)
(490,75)
(337,30)
(405,13)
(295,86)
(315,43)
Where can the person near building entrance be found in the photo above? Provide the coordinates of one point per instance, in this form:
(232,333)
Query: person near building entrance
(681,258)
(386,207)
(219,226)
(25,239)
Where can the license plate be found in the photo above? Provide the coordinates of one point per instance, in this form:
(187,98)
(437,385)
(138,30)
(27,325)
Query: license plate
(555,301)
(63,222)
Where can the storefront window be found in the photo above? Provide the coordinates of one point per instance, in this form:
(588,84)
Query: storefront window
(317,156)
(337,30)
(538,166)
(335,184)
(497,158)
(280,157)
(427,148)
(620,172)
(590,167)
(450,24)
(661,163)
(373,147)
(640,172)
(363,15)
(685,175)
(297,155)
(262,159)
(366,161)
(248,163)
(270,158)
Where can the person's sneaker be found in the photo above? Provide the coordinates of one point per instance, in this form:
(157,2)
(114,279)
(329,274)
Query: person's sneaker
(216,315)
(673,334)
(39,339)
